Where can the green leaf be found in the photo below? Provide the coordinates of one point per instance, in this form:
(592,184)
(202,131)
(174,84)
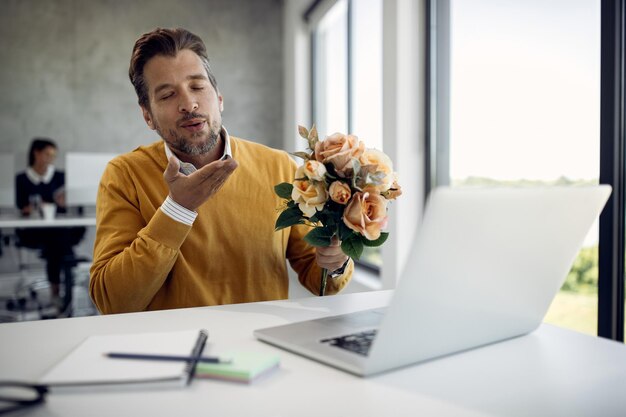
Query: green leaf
(373,243)
(336,211)
(304,155)
(284,190)
(313,134)
(345,232)
(303,132)
(289,217)
(353,247)
(319,236)
(356,179)
(313,138)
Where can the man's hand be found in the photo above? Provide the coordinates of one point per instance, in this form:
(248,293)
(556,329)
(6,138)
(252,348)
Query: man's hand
(190,191)
(331,257)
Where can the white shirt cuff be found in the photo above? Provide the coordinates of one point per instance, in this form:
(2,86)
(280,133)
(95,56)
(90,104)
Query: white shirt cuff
(178,212)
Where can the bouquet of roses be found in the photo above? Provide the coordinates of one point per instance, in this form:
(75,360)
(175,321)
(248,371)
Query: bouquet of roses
(342,189)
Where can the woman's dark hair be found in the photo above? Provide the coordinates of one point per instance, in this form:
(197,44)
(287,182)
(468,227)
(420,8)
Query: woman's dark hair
(37,145)
(166,42)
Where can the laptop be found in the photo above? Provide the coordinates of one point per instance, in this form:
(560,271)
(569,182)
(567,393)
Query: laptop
(484,267)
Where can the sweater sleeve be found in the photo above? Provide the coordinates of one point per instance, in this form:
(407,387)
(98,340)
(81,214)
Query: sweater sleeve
(132,256)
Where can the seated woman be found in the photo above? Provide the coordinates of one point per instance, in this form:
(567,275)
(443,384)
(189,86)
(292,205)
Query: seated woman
(42,183)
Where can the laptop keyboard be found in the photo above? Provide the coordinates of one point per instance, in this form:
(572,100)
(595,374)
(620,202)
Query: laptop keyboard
(357,342)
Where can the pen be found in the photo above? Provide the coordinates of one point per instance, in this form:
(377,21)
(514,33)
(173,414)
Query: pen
(196,354)
(150,357)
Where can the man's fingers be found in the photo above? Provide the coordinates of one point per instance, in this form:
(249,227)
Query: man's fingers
(225,166)
(333,250)
(216,173)
(230,164)
(171,170)
(330,257)
(193,190)
(217,181)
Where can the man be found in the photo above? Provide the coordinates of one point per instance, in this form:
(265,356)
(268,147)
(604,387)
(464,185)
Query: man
(189,220)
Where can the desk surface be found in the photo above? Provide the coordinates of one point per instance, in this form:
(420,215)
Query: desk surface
(551,372)
(13,221)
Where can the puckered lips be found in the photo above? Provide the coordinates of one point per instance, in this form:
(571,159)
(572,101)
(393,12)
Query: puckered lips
(193,125)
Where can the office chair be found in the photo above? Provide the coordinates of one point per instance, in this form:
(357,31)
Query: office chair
(67,262)
(28,299)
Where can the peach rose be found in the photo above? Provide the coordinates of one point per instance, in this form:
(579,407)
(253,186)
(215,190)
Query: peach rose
(367,213)
(314,170)
(309,195)
(339,192)
(383,176)
(339,149)
(393,192)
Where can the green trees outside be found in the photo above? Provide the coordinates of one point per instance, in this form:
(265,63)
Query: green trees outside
(583,277)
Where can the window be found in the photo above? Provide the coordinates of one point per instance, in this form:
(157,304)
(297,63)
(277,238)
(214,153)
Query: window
(523,110)
(347,77)
(330,71)
(366,92)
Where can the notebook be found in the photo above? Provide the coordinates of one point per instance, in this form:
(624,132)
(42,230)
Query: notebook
(87,365)
(484,266)
(244,366)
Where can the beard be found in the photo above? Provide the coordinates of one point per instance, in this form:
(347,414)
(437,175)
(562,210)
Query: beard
(208,141)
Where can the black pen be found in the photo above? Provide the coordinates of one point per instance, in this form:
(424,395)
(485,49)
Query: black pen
(151,357)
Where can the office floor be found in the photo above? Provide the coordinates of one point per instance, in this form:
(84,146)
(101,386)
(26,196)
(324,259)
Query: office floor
(26,296)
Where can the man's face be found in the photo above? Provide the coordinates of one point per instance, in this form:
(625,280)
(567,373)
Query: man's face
(184,108)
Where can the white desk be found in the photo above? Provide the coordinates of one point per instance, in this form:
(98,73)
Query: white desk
(551,372)
(12,222)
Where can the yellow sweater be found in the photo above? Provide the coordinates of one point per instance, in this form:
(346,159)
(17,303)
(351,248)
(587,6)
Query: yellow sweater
(145,260)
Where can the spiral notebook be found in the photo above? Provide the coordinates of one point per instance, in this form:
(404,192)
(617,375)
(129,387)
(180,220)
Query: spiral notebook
(88,366)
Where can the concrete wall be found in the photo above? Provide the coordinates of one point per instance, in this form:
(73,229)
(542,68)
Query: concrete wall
(64,72)
(65,64)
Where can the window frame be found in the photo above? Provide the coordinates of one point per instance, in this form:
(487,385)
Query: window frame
(612,170)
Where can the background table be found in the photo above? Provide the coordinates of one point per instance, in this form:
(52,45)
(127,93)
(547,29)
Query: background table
(61,220)
(18,222)
(551,372)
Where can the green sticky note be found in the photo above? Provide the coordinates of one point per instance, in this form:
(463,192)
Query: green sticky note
(244,366)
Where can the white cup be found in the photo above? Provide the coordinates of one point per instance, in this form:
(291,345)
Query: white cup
(49,211)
